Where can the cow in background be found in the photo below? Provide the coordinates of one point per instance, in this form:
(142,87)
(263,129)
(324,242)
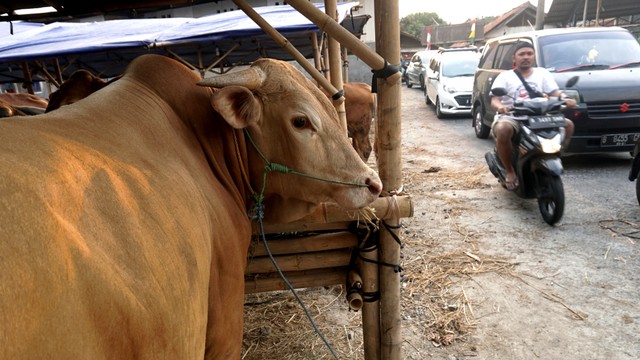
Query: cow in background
(21,104)
(360,109)
(80,84)
(123,222)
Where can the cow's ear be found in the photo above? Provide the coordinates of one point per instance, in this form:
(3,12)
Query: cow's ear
(237,105)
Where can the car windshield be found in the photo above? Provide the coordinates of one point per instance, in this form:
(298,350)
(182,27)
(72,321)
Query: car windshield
(459,66)
(588,51)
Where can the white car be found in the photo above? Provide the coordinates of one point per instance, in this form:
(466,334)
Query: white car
(450,81)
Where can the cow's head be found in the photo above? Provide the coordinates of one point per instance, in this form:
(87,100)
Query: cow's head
(294,124)
(79,85)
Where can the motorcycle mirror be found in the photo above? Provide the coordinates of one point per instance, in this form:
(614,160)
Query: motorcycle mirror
(572,81)
(499,91)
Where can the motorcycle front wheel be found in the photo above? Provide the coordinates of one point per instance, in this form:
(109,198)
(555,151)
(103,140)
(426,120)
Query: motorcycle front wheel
(551,199)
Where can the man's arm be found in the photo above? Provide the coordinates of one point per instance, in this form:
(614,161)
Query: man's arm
(569,102)
(496,104)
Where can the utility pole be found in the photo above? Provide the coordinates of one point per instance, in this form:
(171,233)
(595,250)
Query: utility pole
(540,15)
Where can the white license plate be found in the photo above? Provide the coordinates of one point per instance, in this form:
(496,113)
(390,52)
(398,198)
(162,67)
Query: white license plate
(619,139)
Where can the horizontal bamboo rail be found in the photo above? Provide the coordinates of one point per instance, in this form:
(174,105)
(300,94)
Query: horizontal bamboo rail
(300,262)
(313,243)
(301,279)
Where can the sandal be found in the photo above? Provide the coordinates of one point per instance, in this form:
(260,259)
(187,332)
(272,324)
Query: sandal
(510,185)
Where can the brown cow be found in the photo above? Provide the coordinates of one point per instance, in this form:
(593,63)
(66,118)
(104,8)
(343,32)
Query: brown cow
(360,105)
(21,104)
(123,218)
(80,84)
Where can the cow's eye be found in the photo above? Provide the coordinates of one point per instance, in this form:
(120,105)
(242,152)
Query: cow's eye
(300,122)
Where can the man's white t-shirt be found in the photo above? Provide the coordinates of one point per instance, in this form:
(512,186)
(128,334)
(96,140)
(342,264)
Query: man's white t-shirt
(540,79)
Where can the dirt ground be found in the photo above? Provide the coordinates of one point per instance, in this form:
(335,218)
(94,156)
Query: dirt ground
(484,277)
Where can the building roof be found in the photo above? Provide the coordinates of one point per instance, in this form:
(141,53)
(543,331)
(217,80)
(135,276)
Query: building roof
(510,15)
(562,12)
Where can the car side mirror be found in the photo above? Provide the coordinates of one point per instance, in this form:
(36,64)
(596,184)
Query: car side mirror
(572,81)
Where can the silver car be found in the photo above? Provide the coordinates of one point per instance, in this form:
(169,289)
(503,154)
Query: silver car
(450,81)
(416,73)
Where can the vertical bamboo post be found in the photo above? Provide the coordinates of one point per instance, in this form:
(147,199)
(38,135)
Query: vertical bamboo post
(345,64)
(331,9)
(371,307)
(316,52)
(28,82)
(388,128)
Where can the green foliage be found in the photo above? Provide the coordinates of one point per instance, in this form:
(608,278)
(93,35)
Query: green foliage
(414,23)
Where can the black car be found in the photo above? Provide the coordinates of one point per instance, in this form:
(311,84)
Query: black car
(607,61)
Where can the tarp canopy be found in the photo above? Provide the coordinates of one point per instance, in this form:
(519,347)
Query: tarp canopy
(106,47)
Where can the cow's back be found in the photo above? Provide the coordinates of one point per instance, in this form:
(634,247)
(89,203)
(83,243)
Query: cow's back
(107,215)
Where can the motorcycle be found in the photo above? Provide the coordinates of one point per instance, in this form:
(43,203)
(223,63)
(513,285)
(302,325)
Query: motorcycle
(536,155)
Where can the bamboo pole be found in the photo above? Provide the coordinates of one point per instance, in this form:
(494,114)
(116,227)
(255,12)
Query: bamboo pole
(28,82)
(320,242)
(354,299)
(331,9)
(390,168)
(316,52)
(346,38)
(300,262)
(345,64)
(301,279)
(286,45)
(371,308)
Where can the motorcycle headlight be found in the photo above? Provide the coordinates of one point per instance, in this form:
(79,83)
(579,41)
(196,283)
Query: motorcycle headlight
(551,146)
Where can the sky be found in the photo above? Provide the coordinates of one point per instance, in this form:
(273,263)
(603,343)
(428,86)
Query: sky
(458,11)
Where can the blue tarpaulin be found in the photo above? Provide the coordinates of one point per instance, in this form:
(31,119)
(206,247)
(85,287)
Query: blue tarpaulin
(96,42)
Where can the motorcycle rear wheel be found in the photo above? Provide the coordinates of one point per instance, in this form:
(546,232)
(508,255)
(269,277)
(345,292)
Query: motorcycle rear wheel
(551,199)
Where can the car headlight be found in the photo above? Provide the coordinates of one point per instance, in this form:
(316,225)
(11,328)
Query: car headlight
(449,89)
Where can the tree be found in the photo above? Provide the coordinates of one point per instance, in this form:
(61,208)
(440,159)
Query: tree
(414,23)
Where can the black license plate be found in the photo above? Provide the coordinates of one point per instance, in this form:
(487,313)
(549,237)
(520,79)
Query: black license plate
(619,139)
(546,121)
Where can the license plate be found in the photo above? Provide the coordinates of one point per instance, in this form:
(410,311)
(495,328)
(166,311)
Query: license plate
(546,121)
(619,139)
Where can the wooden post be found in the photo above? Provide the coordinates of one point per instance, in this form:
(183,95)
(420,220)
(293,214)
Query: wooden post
(345,65)
(27,77)
(388,128)
(331,8)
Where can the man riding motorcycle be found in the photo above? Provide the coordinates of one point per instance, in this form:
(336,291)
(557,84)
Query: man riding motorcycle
(524,81)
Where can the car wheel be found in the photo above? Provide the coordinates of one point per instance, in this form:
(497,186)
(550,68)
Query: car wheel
(409,84)
(426,97)
(482,131)
(422,82)
(439,113)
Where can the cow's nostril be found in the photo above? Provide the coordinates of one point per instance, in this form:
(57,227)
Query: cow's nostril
(374,186)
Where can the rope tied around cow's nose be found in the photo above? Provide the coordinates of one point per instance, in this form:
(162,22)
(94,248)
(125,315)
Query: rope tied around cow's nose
(275,167)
